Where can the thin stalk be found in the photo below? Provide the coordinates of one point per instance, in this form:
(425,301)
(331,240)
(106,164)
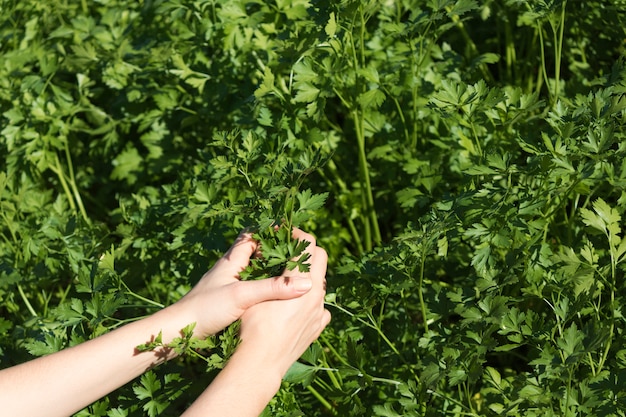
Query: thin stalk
(362,35)
(567,392)
(476,141)
(402,118)
(139,297)
(558,50)
(544,70)
(147,300)
(407,324)
(591,364)
(337,180)
(26,301)
(370,221)
(383,380)
(383,336)
(607,348)
(64,294)
(373,325)
(363,171)
(367,186)
(510,53)
(472,46)
(9,226)
(331,374)
(415,64)
(78,199)
(333,350)
(123,322)
(467,394)
(454,401)
(420,292)
(58,170)
(322,400)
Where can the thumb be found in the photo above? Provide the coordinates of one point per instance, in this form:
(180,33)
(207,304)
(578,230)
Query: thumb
(238,256)
(250,293)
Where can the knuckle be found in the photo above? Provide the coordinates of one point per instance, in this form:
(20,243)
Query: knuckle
(238,290)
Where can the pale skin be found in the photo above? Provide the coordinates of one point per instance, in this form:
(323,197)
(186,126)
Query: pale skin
(280,317)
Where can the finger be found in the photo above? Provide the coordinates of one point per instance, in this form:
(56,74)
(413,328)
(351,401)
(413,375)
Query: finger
(326,318)
(319,262)
(239,254)
(303,236)
(248,293)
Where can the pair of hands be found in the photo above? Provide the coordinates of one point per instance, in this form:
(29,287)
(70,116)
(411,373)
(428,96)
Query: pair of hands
(280,316)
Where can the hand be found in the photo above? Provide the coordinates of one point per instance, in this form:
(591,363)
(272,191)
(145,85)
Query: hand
(280,331)
(220,297)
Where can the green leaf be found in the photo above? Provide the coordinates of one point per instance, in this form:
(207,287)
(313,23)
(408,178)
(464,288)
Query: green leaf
(373,98)
(300,373)
(308,201)
(126,165)
(107,260)
(606,219)
(571,341)
(331,26)
(462,7)
(306,93)
(49,344)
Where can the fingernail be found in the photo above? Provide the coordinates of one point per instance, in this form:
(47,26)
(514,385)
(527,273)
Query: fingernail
(302,284)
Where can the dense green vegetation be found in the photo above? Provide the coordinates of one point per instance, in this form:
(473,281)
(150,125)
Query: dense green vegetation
(462,162)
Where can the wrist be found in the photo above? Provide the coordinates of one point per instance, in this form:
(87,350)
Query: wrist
(166,324)
(248,375)
(264,367)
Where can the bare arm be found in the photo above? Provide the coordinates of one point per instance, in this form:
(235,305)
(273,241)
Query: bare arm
(67,381)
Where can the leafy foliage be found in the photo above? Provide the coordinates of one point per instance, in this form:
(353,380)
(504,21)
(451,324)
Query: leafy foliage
(461,162)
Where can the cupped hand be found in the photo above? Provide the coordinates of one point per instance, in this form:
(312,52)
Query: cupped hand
(220,297)
(280,331)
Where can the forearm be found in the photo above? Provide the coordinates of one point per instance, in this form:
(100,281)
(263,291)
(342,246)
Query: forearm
(67,381)
(242,389)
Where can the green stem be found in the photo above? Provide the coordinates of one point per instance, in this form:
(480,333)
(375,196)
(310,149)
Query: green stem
(9,225)
(322,400)
(139,297)
(510,52)
(58,170)
(402,118)
(333,350)
(373,325)
(330,372)
(567,392)
(479,148)
(71,190)
(78,199)
(344,191)
(544,70)
(472,46)
(454,401)
(25,299)
(607,348)
(371,218)
(420,292)
(558,50)
(119,322)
